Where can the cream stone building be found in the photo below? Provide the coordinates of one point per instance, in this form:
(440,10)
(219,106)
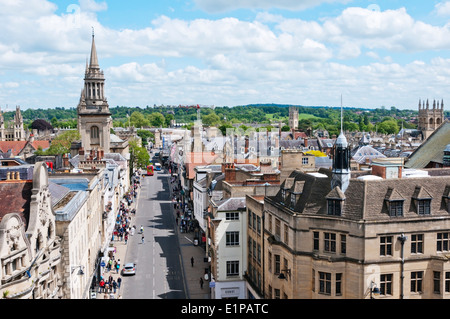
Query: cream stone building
(30,249)
(387,233)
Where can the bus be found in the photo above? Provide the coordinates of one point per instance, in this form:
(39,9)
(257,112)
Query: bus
(150,170)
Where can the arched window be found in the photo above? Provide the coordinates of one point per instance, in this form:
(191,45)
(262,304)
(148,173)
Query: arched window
(94,132)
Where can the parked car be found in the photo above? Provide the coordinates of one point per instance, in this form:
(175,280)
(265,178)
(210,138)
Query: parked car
(129,269)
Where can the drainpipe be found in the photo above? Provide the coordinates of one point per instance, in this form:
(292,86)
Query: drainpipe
(402,239)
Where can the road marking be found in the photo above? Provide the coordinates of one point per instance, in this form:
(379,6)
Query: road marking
(188,239)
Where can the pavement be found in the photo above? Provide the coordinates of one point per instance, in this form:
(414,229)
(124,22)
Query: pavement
(191,273)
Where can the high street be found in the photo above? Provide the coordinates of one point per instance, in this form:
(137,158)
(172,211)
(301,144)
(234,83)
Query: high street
(159,271)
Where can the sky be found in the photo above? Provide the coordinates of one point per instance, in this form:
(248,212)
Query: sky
(227,52)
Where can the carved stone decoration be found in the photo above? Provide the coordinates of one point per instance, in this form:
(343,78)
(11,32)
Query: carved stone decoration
(12,237)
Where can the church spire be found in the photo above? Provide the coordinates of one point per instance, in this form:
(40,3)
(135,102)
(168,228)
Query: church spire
(94,58)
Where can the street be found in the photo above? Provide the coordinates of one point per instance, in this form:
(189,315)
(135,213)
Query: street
(159,272)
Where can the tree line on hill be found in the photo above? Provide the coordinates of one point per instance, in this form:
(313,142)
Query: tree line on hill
(382,120)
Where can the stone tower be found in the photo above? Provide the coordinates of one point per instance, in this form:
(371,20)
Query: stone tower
(16,132)
(94,116)
(430,118)
(293,118)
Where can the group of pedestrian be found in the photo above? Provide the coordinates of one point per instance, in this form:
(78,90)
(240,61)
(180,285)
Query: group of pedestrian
(183,218)
(122,230)
(110,285)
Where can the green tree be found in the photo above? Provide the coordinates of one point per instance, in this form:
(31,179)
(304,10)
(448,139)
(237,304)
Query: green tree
(137,119)
(61,144)
(211,119)
(168,118)
(139,157)
(157,120)
(388,126)
(145,135)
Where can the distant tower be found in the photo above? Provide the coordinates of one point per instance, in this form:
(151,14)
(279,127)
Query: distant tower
(293,118)
(16,132)
(94,116)
(19,131)
(430,118)
(341,161)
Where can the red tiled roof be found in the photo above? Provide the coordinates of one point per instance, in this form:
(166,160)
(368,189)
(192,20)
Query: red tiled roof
(16,197)
(17,146)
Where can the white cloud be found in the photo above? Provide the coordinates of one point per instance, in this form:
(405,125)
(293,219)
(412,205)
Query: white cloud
(224,61)
(92,6)
(443,8)
(229,5)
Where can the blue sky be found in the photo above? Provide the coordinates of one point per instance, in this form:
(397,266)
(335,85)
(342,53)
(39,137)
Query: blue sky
(227,52)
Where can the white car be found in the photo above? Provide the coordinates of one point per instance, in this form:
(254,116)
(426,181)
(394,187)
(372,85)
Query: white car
(129,269)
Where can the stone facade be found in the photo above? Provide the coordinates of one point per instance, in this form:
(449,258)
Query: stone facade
(322,243)
(30,248)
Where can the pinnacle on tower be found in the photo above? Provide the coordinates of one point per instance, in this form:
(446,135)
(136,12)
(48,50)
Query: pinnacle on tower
(94,58)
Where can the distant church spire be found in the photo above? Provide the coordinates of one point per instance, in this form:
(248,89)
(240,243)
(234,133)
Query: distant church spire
(94,58)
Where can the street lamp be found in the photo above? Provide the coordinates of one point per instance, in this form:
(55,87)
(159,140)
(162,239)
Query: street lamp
(282,276)
(80,272)
(374,291)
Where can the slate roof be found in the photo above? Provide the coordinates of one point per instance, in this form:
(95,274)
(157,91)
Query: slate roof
(366,199)
(432,149)
(231,204)
(57,192)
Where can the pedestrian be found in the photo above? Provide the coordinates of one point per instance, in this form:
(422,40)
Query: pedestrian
(114,284)
(201,282)
(106,288)
(119,281)
(102,285)
(118,266)
(142,239)
(192,261)
(126,239)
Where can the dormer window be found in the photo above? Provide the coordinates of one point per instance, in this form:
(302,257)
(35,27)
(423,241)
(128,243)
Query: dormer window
(294,199)
(394,202)
(296,192)
(335,202)
(422,200)
(283,194)
(395,208)
(424,206)
(334,207)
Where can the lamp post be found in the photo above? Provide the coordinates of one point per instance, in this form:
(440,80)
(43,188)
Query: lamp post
(80,272)
(374,291)
(282,276)
(402,238)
